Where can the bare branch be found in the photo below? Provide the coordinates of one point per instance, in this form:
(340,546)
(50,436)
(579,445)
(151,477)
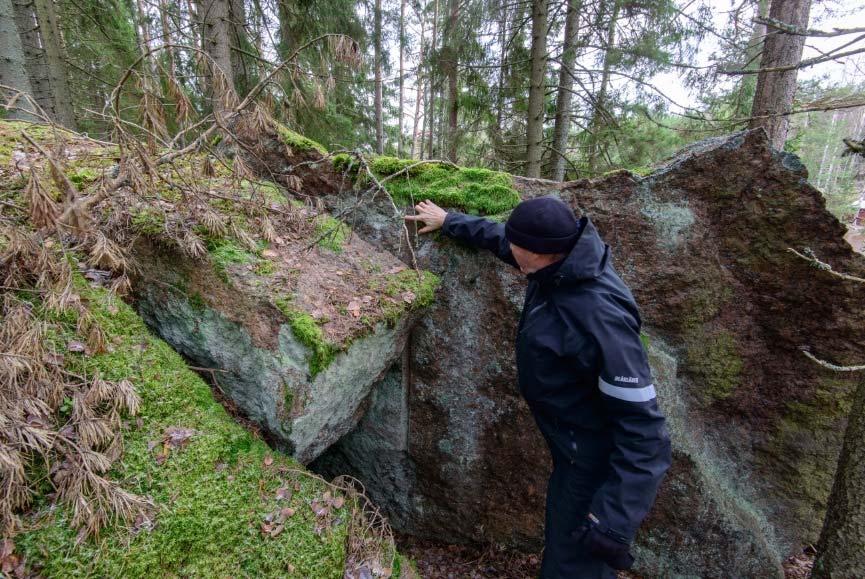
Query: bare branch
(803,64)
(809,256)
(789,29)
(832,366)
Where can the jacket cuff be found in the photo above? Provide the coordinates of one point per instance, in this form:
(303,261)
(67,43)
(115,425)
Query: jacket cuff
(449,219)
(604,527)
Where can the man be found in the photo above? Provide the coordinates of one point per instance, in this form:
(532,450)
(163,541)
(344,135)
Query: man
(584,373)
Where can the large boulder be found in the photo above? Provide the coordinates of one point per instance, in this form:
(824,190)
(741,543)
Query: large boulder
(295,338)
(450,449)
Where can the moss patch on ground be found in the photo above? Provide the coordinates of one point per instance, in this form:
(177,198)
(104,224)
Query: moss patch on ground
(225,253)
(472,189)
(212,494)
(331,231)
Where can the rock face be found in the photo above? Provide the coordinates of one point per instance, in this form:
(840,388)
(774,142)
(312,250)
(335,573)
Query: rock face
(450,449)
(303,399)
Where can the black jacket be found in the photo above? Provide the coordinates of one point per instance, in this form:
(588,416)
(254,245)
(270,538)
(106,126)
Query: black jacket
(584,372)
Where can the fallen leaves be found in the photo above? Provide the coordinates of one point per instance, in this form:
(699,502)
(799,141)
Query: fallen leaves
(274,522)
(173,438)
(323,508)
(76,346)
(11,564)
(354,308)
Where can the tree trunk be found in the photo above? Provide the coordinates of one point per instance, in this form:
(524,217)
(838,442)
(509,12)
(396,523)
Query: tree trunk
(453,95)
(775,90)
(237,16)
(379,123)
(601,99)
(566,83)
(432,79)
(399,146)
(841,550)
(216,37)
(52,45)
(12,71)
(34,56)
(415,134)
(503,57)
(417,129)
(535,121)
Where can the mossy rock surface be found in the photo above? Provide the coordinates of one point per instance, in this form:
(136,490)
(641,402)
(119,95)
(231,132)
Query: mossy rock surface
(472,189)
(211,495)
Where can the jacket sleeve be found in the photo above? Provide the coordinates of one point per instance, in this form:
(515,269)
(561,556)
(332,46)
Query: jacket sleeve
(642,452)
(479,232)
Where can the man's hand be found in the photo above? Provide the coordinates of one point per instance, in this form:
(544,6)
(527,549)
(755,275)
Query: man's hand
(431,214)
(601,546)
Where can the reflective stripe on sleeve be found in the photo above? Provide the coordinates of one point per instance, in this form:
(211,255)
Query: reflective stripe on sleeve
(643,394)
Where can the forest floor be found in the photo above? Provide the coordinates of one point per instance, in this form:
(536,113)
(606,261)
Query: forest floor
(436,560)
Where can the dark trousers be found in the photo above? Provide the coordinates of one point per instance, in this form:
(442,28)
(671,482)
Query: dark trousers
(579,468)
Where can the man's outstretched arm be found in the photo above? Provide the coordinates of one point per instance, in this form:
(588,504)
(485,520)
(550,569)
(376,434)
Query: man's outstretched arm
(474,231)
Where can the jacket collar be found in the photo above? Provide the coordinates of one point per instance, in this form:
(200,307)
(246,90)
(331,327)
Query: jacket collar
(586,260)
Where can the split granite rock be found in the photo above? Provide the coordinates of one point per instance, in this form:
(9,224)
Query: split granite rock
(298,343)
(450,450)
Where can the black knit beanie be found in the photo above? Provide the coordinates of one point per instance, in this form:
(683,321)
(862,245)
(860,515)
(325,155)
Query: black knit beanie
(543,225)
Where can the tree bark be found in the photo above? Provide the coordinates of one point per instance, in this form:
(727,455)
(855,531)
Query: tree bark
(216,38)
(566,82)
(237,20)
(453,95)
(415,134)
(775,90)
(601,98)
(500,83)
(12,71)
(379,122)
(34,56)
(535,120)
(399,146)
(841,550)
(432,80)
(52,45)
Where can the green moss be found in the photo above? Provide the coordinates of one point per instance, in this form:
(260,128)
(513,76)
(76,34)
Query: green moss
(288,400)
(475,190)
(148,221)
(332,232)
(807,440)
(265,267)
(211,495)
(270,191)
(343,162)
(225,253)
(197,302)
(421,284)
(83,176)
(704,303)
(716,363)
(647,343)
(641,170)
(307,331)
(297,141)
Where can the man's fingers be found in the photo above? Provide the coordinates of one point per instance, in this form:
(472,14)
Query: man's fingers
(413,217)
(427,229)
